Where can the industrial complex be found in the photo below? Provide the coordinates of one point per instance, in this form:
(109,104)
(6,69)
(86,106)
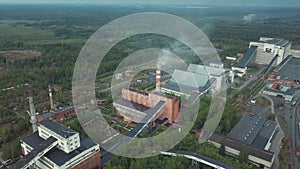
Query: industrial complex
(55,146)
(267,51)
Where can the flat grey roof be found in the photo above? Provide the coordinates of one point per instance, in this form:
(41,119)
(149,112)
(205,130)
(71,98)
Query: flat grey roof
(180,88)
(278,92)
(59,157)
(244,62)
(189,78)
(238,145)
(132,105)
(33,140)
(56,155)
(290,69)
(206,70)
(58,128)
(278,42)
(30,156)
(253,130)
(171,85)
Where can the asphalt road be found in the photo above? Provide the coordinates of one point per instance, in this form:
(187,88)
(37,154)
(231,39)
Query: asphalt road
(291,127)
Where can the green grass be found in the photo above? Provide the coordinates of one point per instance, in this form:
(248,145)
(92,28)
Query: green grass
(21,32)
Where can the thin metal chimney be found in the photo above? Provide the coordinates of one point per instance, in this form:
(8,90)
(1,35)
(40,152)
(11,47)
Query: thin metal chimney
(158,76)
(32,114)
(51,97)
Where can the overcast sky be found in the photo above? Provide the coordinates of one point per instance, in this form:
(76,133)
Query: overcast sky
(292,3)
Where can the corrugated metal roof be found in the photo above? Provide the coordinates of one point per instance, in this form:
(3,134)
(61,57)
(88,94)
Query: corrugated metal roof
(189,79)
(253,130)
(206,70)
(244,62)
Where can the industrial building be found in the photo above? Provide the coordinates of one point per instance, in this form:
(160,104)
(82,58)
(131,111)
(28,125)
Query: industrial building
(287,96)
(197,78)
(287,73)
(267,51)
(268,48)
(55,146)
(255,131)
(259,157)
(57,113)
(253,134)
(241,68)
(135,104)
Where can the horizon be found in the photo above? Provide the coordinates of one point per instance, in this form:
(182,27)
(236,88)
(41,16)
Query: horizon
(238,3)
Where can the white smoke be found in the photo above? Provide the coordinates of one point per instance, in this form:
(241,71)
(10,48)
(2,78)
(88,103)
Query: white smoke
(249,18)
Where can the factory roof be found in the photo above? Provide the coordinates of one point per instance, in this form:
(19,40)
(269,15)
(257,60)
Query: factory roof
(132,105)
(277,42)
(290,69)
(138,91)
(244,62)
(190,79)
(63,109)
(42,145)
(182,88)
(164,95)
(56,155)
(206,70)
(59,157)
(278,91)
(33,140)
(58,128)
(284,61)
(253,130)
(238,145)
(47,115)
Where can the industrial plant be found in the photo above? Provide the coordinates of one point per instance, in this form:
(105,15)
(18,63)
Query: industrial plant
(53,145)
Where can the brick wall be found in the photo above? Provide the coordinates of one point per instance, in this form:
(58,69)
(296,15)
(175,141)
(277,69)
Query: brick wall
(91,163)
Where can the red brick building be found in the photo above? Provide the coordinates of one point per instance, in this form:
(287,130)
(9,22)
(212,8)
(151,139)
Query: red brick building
(149,100)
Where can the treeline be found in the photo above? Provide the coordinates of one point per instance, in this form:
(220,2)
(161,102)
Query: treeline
(10,146)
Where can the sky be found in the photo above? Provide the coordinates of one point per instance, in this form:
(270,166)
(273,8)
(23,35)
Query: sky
(283,3)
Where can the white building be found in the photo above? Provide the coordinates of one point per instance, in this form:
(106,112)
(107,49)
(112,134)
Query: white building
(55,146)
(268,48)
(197,78)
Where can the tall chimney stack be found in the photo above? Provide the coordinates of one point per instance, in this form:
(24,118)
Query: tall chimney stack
(32,114)
(51,97)
(158,76)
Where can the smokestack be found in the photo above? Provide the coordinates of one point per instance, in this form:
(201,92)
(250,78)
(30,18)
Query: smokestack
(32,115)
(158,76)
(51,97)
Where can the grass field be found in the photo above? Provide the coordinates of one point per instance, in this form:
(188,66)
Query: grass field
(20,54)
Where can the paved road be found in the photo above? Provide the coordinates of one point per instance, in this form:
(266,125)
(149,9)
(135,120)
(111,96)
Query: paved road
(275,147)
(290,125)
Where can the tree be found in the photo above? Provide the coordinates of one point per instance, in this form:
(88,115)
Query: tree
(244,155)
(222,150)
